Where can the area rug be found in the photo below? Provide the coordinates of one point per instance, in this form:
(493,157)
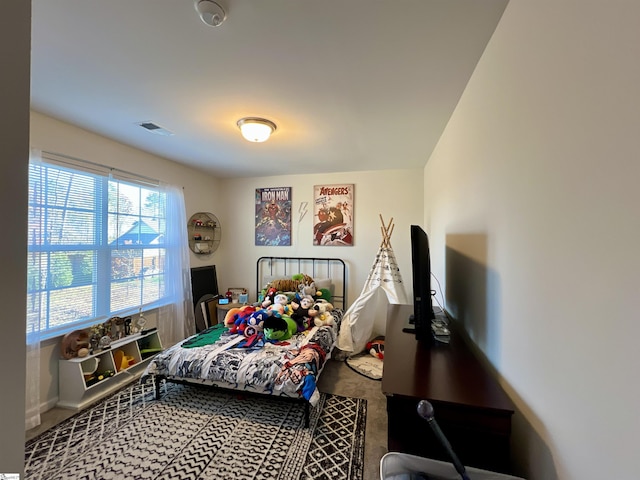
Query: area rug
(198,433)
(366,364)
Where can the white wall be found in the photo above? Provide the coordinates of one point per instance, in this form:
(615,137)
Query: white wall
(15,43)
(394,194)
(531,199)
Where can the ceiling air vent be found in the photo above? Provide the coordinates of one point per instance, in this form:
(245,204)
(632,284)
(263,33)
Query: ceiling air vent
(155,128)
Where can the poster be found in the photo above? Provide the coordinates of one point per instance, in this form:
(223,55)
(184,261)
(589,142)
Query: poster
(333,214)
(273,216)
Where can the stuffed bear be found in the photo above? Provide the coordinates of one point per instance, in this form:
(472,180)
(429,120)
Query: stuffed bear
(321,313)
(301,312)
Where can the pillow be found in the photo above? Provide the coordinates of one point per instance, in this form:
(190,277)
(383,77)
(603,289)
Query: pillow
(323,283)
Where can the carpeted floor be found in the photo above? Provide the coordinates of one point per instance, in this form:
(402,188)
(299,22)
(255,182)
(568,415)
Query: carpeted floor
(196,433)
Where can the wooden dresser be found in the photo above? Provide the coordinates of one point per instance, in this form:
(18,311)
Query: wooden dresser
(470,407)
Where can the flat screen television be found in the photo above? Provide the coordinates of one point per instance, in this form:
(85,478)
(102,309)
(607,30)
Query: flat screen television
(420,321)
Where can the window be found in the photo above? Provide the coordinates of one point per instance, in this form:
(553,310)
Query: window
(96,246)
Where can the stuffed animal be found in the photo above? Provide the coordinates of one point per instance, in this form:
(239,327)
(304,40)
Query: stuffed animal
(269,297)
(323,294)
(307,290)
(248,321)
(301,312)
(279,328)
(255,323)
(233,314)
(321,313)
(302,278)
(279,305)
(376,347)
(290,284)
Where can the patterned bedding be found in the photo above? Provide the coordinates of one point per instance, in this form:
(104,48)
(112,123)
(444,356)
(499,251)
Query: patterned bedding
(289,368)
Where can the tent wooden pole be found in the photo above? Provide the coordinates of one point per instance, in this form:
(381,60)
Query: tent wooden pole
(386,230)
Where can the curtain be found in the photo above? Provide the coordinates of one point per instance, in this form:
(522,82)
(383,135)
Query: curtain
(176,320)
(32,324)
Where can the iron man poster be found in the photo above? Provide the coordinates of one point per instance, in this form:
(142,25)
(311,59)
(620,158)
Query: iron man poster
(273,216)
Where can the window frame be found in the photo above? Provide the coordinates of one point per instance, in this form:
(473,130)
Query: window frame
(102,274)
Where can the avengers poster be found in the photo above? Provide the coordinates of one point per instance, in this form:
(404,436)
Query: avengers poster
(273,216)
(333,214)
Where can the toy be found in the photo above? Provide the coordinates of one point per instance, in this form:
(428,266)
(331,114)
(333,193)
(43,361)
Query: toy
(309,289)
(279,328)
(279,304)
(323,294)
(302,278)
(255,323)
(321,313)
(376,347)
(73,343)
(243,318)
(290,284)
(269,297)
(301,312)
(233,314)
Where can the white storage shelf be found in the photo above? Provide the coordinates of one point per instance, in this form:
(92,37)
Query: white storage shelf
(76,392)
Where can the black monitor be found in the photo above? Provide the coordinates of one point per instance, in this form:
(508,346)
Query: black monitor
(421,269)
(204,281)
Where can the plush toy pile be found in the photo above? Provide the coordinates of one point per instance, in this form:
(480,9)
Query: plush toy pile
(281,315)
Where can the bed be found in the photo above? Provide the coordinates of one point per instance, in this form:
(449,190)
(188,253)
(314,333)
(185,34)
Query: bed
(255,364)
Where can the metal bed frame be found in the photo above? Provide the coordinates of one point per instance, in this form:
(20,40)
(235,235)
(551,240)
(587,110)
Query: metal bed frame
(331,268)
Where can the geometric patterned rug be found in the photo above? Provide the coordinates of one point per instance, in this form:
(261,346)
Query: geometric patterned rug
(199,433)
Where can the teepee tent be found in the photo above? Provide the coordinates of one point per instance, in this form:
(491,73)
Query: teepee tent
(384,281)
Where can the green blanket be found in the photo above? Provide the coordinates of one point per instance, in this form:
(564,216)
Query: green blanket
(207,337)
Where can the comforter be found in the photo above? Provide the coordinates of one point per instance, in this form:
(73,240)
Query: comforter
(289,368)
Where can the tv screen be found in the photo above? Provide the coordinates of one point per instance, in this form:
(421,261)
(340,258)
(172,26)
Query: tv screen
(421,269)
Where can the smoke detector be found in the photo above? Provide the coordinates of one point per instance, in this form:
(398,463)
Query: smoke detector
(210,12)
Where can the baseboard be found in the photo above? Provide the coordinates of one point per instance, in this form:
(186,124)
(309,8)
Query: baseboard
(48,405)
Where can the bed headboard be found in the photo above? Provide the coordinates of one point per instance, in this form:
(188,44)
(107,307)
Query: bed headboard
(333,269)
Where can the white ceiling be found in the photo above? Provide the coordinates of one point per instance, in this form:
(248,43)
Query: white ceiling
(352,84)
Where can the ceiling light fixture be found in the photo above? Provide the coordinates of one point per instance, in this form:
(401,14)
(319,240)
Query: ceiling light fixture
(210,12)
(256,129)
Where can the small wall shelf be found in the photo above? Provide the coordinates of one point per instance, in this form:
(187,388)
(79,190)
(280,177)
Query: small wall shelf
(82,382)
(204,233)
